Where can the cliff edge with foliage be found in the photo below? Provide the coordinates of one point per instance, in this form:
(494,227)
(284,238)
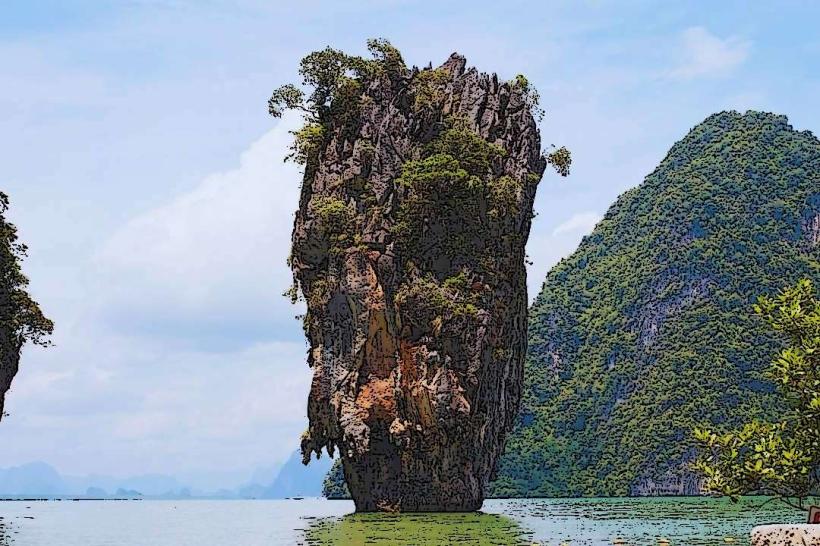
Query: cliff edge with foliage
(21,319)
(408,247)
(647,330)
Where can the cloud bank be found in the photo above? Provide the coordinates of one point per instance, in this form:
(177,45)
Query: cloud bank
(188,356)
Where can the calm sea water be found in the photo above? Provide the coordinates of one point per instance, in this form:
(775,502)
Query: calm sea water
(689,521)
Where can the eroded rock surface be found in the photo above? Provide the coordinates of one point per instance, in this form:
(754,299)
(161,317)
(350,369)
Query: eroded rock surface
(408,246)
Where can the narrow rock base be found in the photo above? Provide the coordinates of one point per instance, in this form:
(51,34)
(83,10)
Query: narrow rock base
(786,535)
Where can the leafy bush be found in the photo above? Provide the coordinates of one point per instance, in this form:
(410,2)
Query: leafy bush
(307,142)
(335,220)
(427,84)
(780,458)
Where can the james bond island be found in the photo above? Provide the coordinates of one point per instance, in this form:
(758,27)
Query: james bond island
(408,247)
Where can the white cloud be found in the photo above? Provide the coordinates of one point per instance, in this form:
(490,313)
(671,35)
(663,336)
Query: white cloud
(545,249)
(582,222)
(705,54)
(155,410)
(212,257)
(117,394)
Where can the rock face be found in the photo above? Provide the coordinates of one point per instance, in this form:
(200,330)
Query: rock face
(408,246)
(786,535)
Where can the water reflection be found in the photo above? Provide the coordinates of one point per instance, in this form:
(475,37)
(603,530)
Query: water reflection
(417,529)
(693,521)
(5,533)
(577,522)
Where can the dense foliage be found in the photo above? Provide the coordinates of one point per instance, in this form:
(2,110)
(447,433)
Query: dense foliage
(451,198)
(21,320)
(645,332)
(780,458)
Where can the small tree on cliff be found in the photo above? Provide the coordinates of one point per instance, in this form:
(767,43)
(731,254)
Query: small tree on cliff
(780,459)
(21,320)
(333,74)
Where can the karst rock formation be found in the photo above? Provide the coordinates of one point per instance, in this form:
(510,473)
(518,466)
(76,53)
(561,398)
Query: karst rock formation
(408,247)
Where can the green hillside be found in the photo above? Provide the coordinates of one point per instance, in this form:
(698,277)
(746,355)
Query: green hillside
(647,328)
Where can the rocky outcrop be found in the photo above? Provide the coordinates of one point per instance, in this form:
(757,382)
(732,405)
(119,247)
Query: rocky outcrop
(811,230)
(786,535)
(21,320)
(408,247)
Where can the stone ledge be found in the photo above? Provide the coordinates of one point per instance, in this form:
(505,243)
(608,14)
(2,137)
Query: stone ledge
(786,535)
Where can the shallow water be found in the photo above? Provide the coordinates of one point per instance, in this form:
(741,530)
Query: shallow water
(690,521)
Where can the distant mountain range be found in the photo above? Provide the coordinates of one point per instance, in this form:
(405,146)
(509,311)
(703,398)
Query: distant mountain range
(293,480)
(39,479)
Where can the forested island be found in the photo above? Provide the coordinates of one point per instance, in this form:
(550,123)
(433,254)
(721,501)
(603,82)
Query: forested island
(647,330)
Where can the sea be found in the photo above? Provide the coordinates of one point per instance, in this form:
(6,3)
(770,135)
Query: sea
(569,522)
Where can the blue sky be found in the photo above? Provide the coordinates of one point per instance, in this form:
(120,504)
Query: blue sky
(148,181)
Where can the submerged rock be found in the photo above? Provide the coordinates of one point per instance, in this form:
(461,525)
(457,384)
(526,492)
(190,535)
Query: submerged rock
(408,247)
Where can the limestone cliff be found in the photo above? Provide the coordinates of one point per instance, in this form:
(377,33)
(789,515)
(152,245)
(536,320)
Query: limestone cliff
(408,247)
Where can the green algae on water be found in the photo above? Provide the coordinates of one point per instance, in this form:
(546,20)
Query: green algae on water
(423,529)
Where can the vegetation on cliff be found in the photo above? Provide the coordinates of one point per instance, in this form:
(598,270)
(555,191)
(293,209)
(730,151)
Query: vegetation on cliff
(780,458)
(21,320)
(646,330)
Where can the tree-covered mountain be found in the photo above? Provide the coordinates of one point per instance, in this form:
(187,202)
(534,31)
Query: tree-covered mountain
(646,330)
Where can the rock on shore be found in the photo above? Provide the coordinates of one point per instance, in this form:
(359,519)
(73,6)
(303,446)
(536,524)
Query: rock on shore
(786,535)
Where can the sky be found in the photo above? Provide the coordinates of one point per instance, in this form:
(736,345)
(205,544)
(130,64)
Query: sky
(148,181)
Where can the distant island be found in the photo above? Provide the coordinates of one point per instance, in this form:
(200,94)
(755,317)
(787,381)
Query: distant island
(42,481)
